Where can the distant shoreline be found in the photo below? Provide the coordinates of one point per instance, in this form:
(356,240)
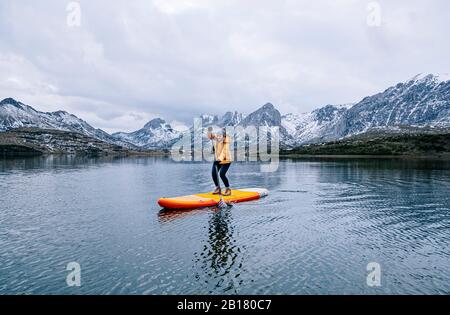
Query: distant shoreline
(281,156)
(360,157)
(81,154)
(409,146)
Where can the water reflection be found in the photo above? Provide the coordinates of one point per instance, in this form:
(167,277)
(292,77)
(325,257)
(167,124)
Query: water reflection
(47,163)
(168,215)
(219,264)
(395,202)
(316,232)
(53,163)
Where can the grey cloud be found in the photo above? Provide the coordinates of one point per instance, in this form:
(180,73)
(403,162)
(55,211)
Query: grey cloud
(134,60)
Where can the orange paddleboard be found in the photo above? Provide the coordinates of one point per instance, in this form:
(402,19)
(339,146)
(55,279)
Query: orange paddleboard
(210,200)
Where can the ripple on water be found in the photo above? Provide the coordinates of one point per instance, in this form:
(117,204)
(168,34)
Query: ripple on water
(315,233)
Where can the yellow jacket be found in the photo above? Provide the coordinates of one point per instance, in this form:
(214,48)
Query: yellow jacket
(222,149)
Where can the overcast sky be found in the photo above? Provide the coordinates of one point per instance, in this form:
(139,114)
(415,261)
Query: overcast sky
(130,61)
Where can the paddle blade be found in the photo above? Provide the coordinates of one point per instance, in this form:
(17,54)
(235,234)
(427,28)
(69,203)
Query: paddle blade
(222,204)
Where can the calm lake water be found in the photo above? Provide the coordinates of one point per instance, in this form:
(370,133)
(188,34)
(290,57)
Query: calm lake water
(315,234)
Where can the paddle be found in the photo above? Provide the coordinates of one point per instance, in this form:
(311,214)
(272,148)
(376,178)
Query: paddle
(222,203)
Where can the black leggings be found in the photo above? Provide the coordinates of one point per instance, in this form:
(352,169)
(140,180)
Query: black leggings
(222,169)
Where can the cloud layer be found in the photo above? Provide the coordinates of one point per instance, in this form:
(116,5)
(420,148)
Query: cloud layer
(130,61)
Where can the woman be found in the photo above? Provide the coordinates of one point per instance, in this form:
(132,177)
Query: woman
(222,159)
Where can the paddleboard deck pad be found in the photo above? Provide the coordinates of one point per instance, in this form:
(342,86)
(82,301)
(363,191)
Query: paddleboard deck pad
(210,200)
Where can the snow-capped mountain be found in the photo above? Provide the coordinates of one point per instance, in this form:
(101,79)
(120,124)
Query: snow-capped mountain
(156,134)
(209,120)
(14,114)
(423,101)
(230,119)
(267,115)
(316,126)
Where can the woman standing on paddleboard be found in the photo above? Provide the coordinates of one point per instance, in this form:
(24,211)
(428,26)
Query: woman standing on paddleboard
(222,160)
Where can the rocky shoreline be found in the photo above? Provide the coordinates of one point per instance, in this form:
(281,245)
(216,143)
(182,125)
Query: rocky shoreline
(413,145)
(35,142)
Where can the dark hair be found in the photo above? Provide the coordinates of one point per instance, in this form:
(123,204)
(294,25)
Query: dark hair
(224,131)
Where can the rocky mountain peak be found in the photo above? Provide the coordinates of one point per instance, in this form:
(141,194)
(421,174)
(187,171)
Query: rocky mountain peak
(328,113)
(10,101)
(155,123)
(208,120)
(267,115)
(25,116)
(268,106)
(61,113)
(156,134)
(230,119)
(437,78)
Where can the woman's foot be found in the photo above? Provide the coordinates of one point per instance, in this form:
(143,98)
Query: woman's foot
(227,192)
(217,191)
